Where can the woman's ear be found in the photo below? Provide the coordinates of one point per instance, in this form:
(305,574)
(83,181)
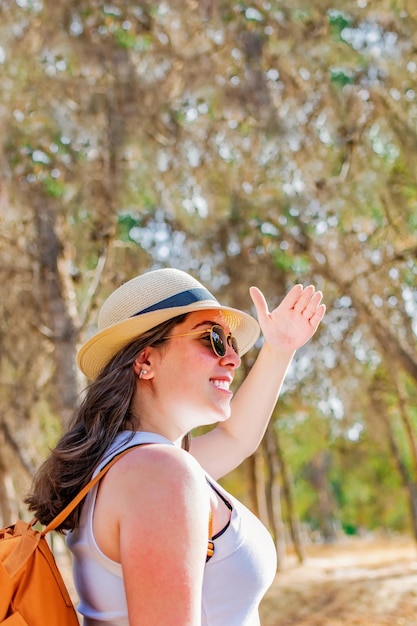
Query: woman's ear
(142,365)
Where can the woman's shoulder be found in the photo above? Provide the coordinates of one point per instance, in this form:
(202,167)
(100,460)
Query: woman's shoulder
(158,462)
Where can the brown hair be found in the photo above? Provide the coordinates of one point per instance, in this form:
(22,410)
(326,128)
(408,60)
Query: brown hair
(105,411)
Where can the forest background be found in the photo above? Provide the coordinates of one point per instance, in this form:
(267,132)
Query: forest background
(261,142)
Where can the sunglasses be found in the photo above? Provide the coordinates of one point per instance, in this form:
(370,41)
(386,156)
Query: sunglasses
(218,339)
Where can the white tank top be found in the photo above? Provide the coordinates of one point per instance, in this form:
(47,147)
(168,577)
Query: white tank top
(235,578)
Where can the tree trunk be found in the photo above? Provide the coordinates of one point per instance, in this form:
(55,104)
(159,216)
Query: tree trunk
(57,322)
(405,418)
(253,489)
(318,476)
(260,485)
(408,482)
(273,497)
(287,489)
(6,512)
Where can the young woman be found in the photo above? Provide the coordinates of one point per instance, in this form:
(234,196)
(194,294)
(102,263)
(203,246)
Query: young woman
(161,364)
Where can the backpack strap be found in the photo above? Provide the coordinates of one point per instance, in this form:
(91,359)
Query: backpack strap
(62,516)
(210,544)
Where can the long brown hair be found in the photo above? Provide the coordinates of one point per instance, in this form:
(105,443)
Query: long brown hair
(105,411)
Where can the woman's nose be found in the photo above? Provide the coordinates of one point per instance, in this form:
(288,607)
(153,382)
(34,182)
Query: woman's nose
(231,357)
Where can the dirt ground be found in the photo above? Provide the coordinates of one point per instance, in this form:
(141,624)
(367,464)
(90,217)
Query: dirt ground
(356,582)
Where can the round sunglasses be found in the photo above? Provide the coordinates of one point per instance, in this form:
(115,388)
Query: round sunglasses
(218,339)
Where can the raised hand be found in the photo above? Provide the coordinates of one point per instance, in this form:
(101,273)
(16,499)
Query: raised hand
(295,319)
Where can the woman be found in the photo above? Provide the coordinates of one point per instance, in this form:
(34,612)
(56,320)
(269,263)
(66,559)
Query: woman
(162,363)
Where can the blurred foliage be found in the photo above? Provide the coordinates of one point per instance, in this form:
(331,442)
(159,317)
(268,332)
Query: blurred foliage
(247,142)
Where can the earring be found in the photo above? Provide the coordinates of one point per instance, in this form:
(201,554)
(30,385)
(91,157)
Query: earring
(141,373)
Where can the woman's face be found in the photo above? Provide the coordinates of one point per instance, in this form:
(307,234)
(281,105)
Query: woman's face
(190,384)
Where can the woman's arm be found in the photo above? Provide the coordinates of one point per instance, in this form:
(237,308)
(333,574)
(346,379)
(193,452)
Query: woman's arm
(285,329)
(162,503)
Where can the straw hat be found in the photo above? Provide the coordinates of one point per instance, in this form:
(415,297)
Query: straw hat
(148,300)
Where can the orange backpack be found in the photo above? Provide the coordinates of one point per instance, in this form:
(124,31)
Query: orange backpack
(32,590)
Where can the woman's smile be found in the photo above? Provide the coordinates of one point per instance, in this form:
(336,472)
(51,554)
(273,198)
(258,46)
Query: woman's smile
(221,383)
